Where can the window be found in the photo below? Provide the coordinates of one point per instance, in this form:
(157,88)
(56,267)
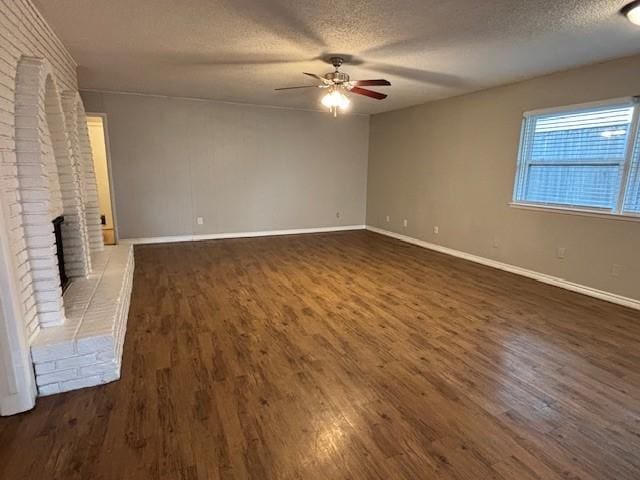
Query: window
(584,157)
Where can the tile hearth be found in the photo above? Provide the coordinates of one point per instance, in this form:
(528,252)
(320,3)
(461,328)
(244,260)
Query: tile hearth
(87,349)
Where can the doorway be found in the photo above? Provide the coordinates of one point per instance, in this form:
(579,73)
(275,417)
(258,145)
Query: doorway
(98,137)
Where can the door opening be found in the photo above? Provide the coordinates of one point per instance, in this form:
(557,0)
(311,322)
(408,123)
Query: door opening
(98,137)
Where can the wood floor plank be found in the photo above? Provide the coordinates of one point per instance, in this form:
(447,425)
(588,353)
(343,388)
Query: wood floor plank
(345,356)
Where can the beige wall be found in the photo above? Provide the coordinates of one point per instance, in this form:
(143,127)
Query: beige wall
(242,168)
(451,164)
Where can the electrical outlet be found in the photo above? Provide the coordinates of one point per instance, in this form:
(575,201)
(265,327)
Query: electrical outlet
(496,242)
(405,223)
(337,214)
(616,270)
(561,252)
(388,218)
(200,220)
(436,230)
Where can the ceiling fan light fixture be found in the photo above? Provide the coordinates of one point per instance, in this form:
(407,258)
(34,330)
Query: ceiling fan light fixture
(632,12)
(335,100)
(338,84)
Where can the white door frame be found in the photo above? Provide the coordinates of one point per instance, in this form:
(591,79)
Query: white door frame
(105,131)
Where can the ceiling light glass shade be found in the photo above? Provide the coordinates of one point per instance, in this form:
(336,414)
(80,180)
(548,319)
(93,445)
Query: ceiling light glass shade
(335,99)
(632,11)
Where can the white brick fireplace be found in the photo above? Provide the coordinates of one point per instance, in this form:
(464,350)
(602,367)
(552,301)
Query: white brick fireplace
(55,178)
(49,341)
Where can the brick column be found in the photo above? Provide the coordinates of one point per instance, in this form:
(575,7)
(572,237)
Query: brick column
(34,165)
(16,238)
(77,251)
(92,206)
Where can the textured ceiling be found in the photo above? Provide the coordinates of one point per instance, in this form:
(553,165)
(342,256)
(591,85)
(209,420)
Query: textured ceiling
(240,50)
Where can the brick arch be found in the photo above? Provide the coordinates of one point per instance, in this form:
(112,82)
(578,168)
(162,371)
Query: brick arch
(73,121)
(48,187)
(83,157)
(74,228)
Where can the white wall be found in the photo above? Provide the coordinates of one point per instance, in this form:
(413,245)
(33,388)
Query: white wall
(243,168)
(451,163)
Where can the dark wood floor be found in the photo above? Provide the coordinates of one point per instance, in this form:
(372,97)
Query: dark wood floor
(345,356)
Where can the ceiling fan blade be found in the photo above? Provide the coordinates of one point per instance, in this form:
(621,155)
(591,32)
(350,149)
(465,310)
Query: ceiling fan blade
(367,83)
(302,86)
(368,93)
(322,79)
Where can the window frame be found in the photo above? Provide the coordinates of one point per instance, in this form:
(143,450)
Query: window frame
(633,143)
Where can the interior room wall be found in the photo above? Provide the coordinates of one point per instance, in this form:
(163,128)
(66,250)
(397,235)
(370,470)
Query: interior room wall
(451,164)
(241,168)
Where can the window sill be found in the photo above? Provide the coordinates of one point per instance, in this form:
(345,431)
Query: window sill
(575,211)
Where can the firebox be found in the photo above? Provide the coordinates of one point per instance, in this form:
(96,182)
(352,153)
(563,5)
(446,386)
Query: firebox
(57,228)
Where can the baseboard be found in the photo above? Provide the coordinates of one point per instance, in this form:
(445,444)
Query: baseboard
(219,236)
(541,277)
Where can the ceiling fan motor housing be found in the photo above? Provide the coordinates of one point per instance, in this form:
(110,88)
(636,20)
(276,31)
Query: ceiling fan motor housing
(337,77)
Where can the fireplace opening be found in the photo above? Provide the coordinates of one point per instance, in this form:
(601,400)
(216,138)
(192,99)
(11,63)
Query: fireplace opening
(57,229)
